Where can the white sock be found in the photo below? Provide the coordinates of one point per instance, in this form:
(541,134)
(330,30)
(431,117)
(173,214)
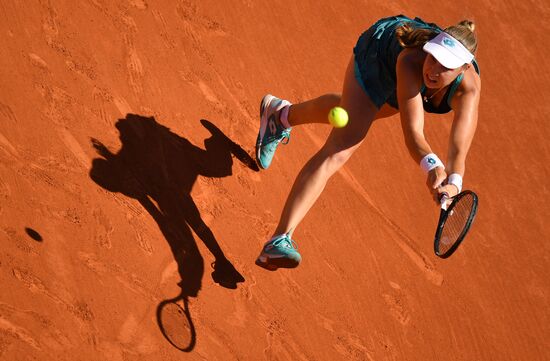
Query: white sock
(283,117)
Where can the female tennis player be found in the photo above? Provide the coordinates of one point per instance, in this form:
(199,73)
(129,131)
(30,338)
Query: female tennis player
(399,65)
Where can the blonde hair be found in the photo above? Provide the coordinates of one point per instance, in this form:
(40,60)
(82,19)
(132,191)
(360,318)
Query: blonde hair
(410,37)
(464,32)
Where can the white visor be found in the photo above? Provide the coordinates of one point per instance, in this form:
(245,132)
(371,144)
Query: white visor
(448,51)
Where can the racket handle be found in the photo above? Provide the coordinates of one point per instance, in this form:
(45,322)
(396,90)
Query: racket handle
(443,200)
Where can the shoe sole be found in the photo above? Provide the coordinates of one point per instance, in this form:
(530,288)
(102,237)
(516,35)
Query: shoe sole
(266,102)
(275,263)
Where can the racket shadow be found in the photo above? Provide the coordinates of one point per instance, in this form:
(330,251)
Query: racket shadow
(176,324)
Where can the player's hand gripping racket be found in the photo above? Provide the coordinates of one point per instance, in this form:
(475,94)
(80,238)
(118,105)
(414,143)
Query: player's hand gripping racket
(454,222)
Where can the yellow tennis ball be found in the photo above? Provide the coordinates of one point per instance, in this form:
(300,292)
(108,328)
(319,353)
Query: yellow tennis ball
(338,117)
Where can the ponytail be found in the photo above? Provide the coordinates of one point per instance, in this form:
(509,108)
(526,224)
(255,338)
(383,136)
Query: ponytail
(410,37)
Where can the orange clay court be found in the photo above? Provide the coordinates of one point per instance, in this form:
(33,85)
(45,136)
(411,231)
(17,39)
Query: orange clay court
(127,132)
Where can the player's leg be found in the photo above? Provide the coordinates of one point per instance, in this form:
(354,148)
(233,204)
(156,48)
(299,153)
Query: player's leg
(311,181)
(314,110)
(340,145)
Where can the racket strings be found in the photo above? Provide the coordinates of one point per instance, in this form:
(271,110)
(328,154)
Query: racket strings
(456,222)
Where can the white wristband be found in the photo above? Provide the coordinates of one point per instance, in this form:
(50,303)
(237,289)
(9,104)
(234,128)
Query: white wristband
(456,180)
(430,161)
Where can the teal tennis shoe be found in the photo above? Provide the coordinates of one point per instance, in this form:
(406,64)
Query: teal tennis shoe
(271,131)
(279,252)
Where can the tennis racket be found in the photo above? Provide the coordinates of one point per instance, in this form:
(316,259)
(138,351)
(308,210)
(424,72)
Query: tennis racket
(454,222)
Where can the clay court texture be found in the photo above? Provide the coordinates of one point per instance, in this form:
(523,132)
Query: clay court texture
(127,132)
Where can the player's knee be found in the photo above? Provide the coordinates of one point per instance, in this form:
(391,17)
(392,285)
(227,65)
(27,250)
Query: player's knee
(335,160)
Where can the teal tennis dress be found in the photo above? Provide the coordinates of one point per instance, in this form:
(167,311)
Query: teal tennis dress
(376,55)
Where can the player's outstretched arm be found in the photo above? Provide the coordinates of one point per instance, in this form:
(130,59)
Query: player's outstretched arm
(465,104)
(409,82)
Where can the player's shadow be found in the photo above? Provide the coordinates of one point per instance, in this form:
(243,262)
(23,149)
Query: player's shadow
(158,168)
